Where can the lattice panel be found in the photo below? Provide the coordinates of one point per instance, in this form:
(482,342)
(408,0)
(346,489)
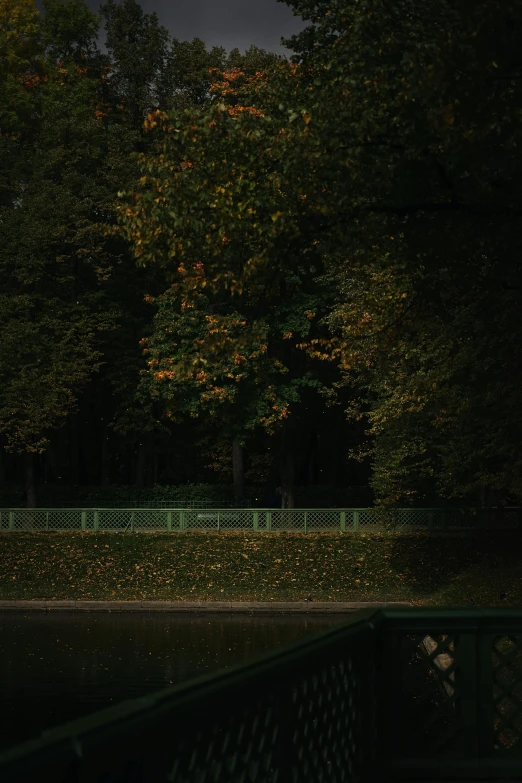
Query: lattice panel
(222,520)
(373,520)
(237,520)
(30,520)
(239,746)
(65,520)
(427,700)
(406,519)
(114,520)
(289,519)
(312,729)
(317,521)
(328,736)
(507,691)
(150,520)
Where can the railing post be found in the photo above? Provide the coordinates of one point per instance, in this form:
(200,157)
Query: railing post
(169,521)
(356,521)
(268,521)
(256,521)
(343,521)
(96,519)
(11,520)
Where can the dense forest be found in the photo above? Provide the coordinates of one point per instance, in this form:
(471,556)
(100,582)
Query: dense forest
(258,271)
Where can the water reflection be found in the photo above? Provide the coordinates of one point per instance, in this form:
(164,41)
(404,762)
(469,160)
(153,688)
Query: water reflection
(56,667)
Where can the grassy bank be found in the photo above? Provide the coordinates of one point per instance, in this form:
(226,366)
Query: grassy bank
(443,569)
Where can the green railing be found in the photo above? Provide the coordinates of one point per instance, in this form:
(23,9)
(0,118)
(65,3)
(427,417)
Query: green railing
(257,520)
(389,695)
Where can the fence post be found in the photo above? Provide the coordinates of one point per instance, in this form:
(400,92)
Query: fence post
(47,521)
(430,520)
(96,519)
(306,521)
(218,520)
(343,521)
(181,520)
(132,521)
(169,521)
(268,521)
(84,520)
(256,521)
(11,520)
(356,521)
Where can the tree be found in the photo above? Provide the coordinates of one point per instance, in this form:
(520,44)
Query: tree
(186,80)
(137,45)
(68,31)
(416,109)
(244,293)
(54,309)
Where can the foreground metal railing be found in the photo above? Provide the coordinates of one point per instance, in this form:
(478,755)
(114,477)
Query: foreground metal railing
(366,701)
(256,520)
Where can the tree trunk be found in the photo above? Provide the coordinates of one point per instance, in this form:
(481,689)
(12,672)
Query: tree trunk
(30,485)
(483,490)
(50,467)
(74,452)
(287,469)
(238,470)
(105,458)
(140,463)
(3,477)
(340,470)
(156,470)
(150,457)
(313,469)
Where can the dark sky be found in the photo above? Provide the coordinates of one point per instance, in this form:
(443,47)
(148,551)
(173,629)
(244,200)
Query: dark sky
(227,23)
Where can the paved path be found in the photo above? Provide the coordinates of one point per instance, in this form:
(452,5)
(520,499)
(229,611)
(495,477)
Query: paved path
(325,607)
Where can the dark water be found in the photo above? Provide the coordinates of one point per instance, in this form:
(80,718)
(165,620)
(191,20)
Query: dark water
(57,667)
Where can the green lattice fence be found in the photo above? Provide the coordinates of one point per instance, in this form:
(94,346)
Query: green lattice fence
(389,695)
(455,683)
(257,520)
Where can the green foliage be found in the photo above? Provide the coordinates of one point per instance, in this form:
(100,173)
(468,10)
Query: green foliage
(68,30)
(347,221)
(137,45)
(120,496)
(52,300)
(415,110)
(242,297)
(19,29)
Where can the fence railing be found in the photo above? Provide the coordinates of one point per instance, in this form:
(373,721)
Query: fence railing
(366,701)
(257,520)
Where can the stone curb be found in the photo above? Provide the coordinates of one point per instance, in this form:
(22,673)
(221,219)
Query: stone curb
(196,606)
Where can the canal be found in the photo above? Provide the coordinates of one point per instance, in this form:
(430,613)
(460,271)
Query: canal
(59,666)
